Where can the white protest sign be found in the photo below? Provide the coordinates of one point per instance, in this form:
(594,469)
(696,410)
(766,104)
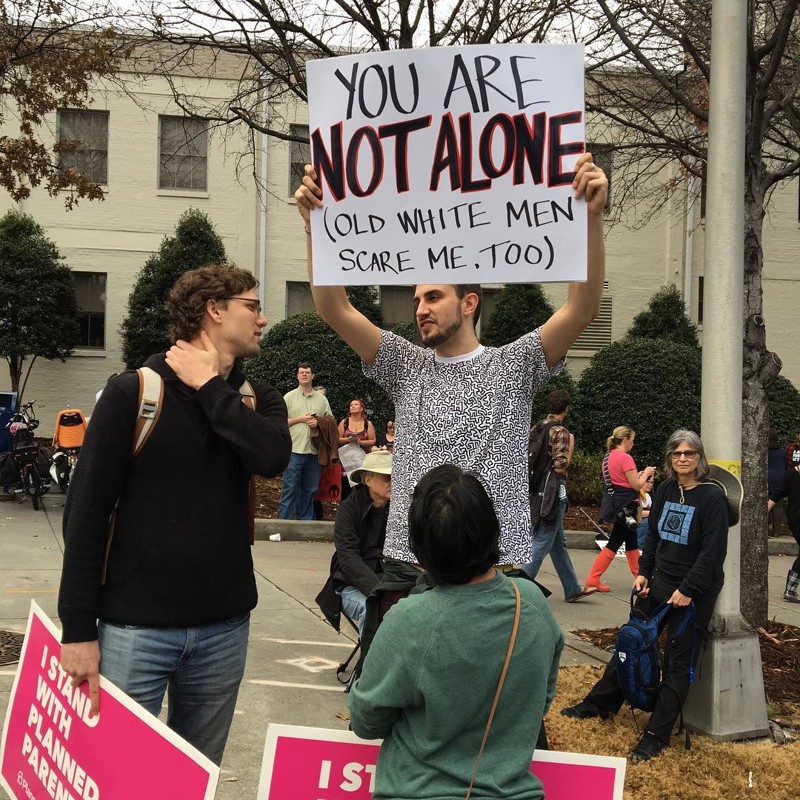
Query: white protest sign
(448,165)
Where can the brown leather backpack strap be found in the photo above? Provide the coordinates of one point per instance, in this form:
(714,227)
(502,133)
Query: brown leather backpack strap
(511,641)
(249,399)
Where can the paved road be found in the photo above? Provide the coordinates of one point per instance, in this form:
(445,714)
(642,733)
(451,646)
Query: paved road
(290,675)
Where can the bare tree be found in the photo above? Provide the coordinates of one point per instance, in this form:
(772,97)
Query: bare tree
(50,51)
(648,69)
(279,36)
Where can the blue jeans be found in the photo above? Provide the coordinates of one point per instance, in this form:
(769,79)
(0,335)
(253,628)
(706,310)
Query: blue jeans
(641,533)
(550,538)
(201,666)
(300,484)
(354,604)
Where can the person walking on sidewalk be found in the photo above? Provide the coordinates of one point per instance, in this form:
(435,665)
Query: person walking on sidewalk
(549,537)
(161,598)
(789,487)
(622,485)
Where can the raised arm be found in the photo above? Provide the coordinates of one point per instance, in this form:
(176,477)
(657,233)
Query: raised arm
(332,302)
(583,299)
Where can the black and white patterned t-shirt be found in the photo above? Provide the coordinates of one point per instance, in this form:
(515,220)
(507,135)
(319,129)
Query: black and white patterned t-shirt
(473,412)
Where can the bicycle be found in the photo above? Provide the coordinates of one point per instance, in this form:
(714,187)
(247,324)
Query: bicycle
(25,451)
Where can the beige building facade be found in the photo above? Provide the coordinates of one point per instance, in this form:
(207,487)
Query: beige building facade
(155,164)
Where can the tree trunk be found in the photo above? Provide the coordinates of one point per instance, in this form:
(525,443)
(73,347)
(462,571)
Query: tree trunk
(759,368)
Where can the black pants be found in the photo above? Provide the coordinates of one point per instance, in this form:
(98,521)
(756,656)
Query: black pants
(620,533)
(606,693)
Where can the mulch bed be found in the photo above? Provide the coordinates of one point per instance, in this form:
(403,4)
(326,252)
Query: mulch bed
(780,658)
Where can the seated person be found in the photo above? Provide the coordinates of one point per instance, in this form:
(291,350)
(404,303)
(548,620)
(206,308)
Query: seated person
(359,531)
(430,677)
(681,563)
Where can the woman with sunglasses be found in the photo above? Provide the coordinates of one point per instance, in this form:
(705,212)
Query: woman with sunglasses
(681,563)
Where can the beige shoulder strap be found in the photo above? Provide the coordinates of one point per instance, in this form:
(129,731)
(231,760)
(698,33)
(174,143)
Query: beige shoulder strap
(151,397)
(248,395)
(249,399)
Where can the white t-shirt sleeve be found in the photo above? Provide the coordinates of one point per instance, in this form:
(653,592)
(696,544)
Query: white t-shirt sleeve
(526,356)
(396,359)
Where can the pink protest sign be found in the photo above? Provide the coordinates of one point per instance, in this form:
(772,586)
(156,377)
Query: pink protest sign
(52,748)
(317,764)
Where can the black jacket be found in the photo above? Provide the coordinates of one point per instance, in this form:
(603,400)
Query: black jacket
(358,532)
(358,560)
(180,554)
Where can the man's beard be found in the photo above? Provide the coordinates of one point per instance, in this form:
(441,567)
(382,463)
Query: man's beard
(440,337)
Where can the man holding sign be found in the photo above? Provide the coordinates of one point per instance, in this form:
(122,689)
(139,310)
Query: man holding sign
(457,401)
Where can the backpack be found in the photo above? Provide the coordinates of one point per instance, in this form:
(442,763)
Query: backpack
(539,459)
(637,658)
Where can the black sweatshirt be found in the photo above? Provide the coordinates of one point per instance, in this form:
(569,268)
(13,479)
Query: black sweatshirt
(180,554)
(789,487)
(687,542)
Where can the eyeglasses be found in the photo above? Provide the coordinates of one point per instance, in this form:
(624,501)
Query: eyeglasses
(687,453)
(253,305)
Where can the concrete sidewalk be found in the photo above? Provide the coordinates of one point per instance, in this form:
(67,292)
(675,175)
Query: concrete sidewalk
(293,654)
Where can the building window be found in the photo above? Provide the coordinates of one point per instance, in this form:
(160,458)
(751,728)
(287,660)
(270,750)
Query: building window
(598,334)
(299,156)
(603,156)
(90,290)
(397,304)
(90,129)
(298,298)
(183,154)
(700,300)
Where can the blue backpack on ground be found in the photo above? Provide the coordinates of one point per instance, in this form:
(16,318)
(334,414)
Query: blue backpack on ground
(637,658)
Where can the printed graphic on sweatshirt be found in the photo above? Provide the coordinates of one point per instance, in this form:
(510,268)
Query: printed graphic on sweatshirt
(673,525)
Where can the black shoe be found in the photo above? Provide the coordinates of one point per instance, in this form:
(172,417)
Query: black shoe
(649,746)
(586,709)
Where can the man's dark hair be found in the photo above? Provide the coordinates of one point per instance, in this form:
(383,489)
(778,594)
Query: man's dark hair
(305,365)
(463,289)
(186,304)
(452,526)
(558,401)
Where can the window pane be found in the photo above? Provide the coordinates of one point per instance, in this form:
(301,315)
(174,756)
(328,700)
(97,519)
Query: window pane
(183,158)
(298,298)
(90,128)
(299,156)
(90,291)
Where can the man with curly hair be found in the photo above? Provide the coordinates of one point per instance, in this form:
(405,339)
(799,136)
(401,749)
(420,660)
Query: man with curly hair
(160,599)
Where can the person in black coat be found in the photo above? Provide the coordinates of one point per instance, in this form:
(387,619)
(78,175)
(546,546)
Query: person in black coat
(359,533)
(789,487)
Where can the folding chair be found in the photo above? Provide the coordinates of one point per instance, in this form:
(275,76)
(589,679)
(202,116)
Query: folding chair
(330,603)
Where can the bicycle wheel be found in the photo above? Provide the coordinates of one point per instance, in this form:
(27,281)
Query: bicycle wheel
(33,485)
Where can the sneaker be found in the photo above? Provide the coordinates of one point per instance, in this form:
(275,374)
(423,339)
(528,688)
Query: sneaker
(585,592)
(789,598)
(586,709)
(649,746)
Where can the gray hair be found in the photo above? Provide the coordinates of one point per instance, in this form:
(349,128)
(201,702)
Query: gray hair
(695,443)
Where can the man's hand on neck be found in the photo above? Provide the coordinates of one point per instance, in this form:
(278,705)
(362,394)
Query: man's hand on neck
(197,362)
